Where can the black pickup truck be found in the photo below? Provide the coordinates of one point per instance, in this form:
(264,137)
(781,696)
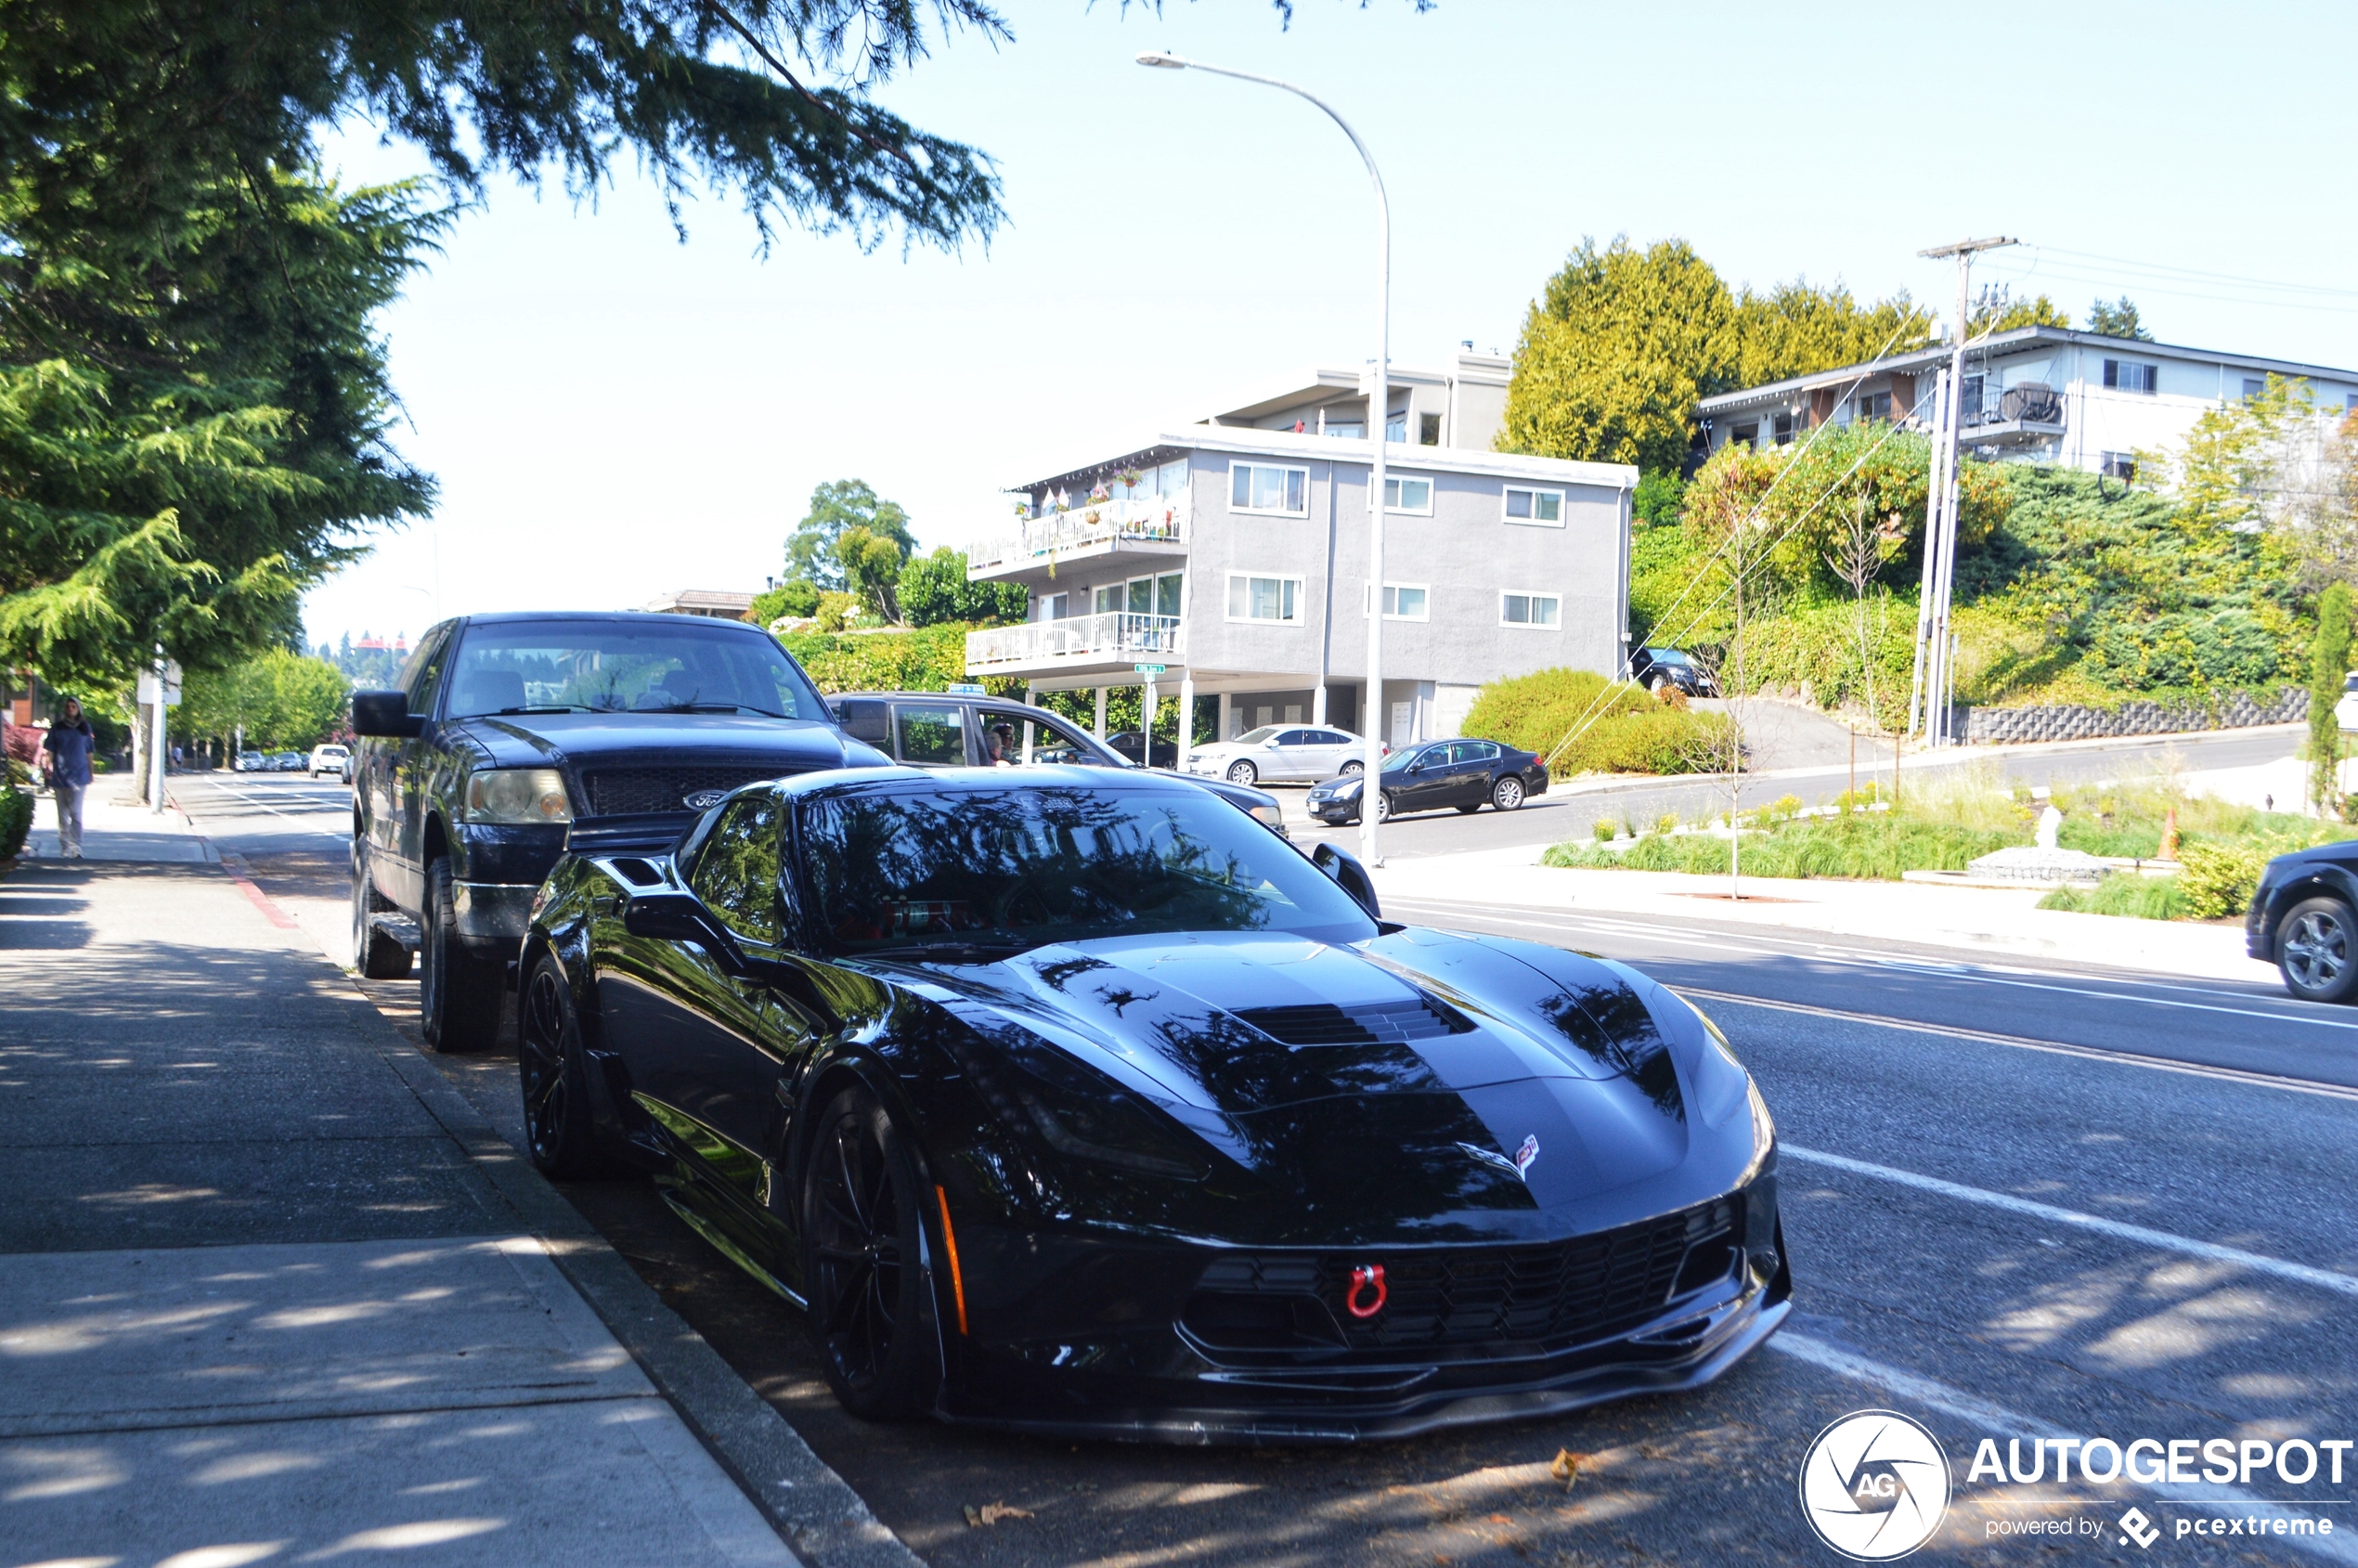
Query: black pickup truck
(511,735)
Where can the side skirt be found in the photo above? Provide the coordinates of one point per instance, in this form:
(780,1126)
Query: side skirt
(726,1246)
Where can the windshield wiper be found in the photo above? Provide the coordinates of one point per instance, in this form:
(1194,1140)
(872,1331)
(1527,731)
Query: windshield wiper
(711,708)
(536,708)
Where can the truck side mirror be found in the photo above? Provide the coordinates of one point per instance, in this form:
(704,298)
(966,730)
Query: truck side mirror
(387,715)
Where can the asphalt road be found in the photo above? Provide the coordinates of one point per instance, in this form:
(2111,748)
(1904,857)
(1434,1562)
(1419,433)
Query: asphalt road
(2021,1200)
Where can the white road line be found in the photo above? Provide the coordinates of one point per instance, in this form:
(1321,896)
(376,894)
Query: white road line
(1974,977)
(1998,1421)
(2260,1263)
(2052,1047)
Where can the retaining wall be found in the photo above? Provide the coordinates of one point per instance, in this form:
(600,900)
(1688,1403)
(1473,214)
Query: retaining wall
(2072,723)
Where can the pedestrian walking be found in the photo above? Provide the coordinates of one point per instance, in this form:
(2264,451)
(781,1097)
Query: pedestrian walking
(66,758)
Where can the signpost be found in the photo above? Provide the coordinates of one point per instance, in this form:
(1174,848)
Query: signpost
(160,689)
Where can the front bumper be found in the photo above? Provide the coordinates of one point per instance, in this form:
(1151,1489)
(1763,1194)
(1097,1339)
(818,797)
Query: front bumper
(492,912)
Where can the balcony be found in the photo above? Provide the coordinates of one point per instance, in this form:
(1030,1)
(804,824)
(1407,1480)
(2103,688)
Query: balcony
(1142,523)
(2027,414)
(1085,644)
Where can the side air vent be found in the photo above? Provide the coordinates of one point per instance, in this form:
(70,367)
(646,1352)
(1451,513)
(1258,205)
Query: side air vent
(1382,1023)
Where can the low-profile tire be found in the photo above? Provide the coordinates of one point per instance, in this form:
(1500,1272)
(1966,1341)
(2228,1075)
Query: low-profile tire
(1506,794)
(1243,772)
(862,1218)
(458,994)
(2317,950)
(559,1134)
(377,955)
(1383,806)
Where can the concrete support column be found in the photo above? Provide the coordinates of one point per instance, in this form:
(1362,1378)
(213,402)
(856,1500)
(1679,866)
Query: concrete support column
(1101,713)
(1186,716)
(1221,725)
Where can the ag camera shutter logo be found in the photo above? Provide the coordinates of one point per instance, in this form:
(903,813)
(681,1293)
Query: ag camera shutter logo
(1874,1485)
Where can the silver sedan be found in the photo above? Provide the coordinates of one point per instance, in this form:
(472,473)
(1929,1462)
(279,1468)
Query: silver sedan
(1281,754)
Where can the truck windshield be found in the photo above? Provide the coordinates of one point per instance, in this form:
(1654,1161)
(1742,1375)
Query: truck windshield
(561,666)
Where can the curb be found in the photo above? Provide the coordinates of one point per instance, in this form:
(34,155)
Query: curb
(812,1508)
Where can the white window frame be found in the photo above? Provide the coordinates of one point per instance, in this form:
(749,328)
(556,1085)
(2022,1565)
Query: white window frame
(2117,369)
(1227,598)
(1535,520)
(1531,594)
(1267,512)
(1367,597)
(1401,481)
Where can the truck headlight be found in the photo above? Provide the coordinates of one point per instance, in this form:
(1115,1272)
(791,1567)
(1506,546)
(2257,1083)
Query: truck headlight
(518,796)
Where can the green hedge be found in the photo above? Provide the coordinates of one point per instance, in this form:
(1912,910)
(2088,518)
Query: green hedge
(1876,846)
(16,820)
(929,659)
(1626,730)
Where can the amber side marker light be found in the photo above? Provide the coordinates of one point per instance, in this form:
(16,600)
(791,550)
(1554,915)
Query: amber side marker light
(957,1279)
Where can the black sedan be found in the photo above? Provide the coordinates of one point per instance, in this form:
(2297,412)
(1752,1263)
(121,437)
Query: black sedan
(2303,918)
(1466,774)
(1084,1104)
(1656,667)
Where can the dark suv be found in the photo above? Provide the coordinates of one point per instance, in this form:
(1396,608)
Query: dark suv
(513,734)
(970,730)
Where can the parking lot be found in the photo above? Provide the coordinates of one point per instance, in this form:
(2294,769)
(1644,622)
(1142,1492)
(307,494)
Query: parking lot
(2020,1199)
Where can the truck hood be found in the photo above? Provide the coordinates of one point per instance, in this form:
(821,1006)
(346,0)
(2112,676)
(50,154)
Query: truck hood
(548,740)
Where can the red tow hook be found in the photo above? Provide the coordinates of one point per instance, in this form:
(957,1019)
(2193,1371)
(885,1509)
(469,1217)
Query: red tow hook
(1367,1276)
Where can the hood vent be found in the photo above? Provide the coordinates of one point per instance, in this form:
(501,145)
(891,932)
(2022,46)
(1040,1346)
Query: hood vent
(1380,1023)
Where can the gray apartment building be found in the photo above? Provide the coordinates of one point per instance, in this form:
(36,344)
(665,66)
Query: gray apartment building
(1234,554)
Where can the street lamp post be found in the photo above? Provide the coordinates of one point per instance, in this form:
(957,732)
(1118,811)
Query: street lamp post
(1379,401)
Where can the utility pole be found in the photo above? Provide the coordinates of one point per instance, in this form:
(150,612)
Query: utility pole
(1934,652)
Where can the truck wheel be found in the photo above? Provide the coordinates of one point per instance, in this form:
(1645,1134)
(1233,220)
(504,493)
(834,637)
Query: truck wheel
(458,994)
(2317,951)
(377,955)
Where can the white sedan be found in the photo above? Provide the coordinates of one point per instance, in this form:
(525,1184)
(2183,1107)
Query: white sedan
(1281,753)
(2345,710)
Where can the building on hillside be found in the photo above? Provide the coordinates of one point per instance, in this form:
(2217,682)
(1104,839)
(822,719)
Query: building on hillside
(714,603)
(1233,552)
(2036,394)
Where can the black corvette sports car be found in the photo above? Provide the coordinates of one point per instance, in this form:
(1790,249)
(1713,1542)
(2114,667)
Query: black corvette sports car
(1087,1105)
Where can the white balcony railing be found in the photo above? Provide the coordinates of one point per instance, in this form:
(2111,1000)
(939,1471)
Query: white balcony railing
(1107,638)
(1090,526)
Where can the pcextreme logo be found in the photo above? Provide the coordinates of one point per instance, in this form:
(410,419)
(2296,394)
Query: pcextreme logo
(1874,1485)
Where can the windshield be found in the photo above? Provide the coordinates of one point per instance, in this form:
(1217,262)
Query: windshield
(623,667)
(1254,737)
(1399,761)
(909,869)
(1665,655)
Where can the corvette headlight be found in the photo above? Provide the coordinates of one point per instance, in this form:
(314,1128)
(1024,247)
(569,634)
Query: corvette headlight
(518,796)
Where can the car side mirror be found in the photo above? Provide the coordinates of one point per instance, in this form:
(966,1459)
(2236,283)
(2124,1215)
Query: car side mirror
(1347,873)
(671,917)
(385,714)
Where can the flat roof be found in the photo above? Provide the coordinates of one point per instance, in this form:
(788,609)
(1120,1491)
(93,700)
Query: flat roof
(2019,339)
(1357,450)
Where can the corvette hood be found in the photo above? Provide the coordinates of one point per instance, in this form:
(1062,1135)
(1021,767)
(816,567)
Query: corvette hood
(1498,1058)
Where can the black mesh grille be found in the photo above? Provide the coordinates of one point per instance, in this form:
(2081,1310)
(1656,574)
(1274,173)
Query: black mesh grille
(615,792)
(1384,1022)
(1588,1288)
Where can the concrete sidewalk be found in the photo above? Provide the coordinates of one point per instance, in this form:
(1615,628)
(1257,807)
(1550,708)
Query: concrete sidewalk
(270,1294)
(1985,920)
(116,826)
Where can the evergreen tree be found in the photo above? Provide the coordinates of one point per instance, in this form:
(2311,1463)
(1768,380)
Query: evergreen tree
(2118,319)
(813,554)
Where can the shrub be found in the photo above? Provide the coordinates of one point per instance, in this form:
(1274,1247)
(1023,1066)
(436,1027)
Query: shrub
(1625,731)
(2134,896)
(1878,847)
(16,820)
(2219,878)
(1667,822)
(1605,828)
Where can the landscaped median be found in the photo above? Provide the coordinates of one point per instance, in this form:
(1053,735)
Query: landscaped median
(2185,857)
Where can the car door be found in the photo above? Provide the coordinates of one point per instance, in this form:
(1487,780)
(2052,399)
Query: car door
(1424,783)
(1330,750)
(1049,741)
(1472,763)
(1292,758)
(403,770)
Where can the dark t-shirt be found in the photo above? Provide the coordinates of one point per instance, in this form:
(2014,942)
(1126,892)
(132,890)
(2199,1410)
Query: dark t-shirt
(71,744)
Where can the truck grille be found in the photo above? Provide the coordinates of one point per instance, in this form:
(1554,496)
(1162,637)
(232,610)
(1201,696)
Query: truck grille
(1590,1288)
(615,792)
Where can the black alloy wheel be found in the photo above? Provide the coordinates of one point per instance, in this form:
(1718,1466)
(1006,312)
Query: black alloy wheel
(558,1133)
(2317,950)
(458,994)
(376,954)
(1243,772)
(1506,794)
(862,1218)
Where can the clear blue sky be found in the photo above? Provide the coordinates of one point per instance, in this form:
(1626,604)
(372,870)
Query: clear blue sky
(613,413)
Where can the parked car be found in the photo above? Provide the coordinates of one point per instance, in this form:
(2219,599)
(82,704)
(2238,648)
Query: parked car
(1656,668)
(2345,710)
(287,761)
(967,729)
(2304,920)
(1131,745)
(514,735)
(329,758)
(1083,1106)
(1466,774)
(250,762)
(1282,754)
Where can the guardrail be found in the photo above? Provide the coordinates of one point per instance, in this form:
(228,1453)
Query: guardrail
(1104,637)
(1139,519)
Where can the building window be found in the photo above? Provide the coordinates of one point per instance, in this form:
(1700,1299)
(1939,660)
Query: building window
(1404,602)
(1107,601)
(1428,429)
(1542,611)
(1341,430)
(1538,508)
(1170,481)
(1167,593)
(1872,405)
(2350,404)
(2127,375)
(1254,487)
(1969,405)
(1408,493)
(2118,465)
(1395,429)
(1264,599)
(1745,435)
(2254,386)
(1784,430)
(1055,606)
